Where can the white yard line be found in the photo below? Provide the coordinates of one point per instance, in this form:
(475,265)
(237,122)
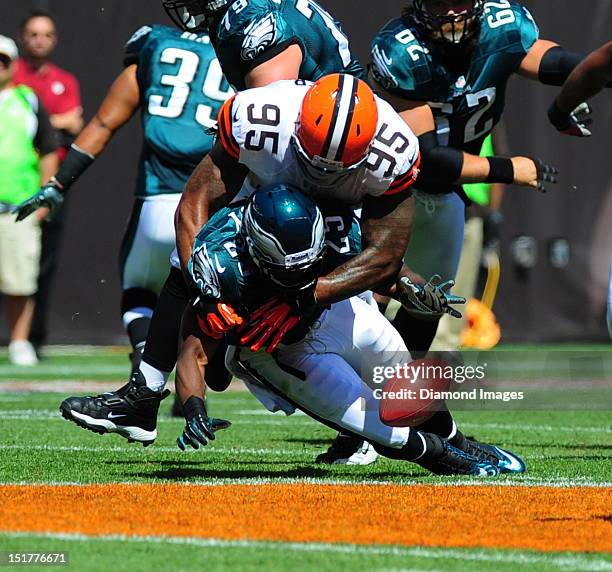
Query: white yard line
(569,562)
(280,419)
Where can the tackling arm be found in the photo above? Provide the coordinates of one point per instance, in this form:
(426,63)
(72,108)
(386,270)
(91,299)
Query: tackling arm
(386,226)
(588,79)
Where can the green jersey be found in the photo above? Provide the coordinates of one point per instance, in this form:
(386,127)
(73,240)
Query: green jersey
(182,89)
(221,269)
(254,31)
(466,105)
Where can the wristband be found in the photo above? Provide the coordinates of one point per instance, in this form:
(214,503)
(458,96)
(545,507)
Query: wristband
(501,170)
(74,165)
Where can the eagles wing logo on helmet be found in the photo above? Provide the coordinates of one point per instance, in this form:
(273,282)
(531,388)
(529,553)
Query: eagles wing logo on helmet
(259,35)
(380,69)
(203,273)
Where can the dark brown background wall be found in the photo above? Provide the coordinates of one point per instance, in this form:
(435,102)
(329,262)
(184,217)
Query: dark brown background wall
(540,304)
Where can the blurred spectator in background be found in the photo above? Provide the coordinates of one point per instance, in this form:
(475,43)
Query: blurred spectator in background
(58,91)
(27,157)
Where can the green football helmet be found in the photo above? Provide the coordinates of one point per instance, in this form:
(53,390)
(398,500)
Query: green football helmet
(284,232)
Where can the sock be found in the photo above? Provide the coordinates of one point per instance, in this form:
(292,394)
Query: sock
(137,332)
(417,334)
(441,423)
(415,447)
(155,379)
(161,349)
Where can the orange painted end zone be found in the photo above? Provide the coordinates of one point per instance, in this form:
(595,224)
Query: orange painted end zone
(540,518)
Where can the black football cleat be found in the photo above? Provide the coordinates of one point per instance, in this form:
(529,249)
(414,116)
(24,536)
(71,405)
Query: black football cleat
(348,450)
(506,461)
(442,458)
(131,411)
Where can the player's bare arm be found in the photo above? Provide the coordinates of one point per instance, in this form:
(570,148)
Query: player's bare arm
(386,228)
(196,348)
(449,165)
(121,102)
(587,79)
(569,113)
(285,65)
(193,358)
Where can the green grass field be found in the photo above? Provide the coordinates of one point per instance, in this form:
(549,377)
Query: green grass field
(38,447)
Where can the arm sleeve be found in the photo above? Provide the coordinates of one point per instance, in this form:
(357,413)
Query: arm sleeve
(45,140)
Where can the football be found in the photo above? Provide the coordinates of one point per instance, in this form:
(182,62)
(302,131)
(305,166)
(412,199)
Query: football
(412,395)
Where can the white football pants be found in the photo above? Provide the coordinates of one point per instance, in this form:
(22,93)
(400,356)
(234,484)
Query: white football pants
(148,243)
(319,374)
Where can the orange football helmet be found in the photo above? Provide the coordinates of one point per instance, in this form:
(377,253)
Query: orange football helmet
(336,126)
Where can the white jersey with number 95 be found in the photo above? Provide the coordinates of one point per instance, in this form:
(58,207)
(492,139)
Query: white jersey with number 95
(255,127)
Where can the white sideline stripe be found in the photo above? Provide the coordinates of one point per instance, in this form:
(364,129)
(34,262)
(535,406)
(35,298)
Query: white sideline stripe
(577,562)
(523,481)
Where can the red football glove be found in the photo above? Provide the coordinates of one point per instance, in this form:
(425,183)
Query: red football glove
(272,320)
(218,320)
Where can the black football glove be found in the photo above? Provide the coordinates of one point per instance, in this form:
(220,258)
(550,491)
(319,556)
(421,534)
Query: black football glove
(199,427)
(574,123)
(428,301)
(50,195)
(546,174)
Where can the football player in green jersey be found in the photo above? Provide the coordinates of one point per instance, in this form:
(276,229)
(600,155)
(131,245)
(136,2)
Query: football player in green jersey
(175,81)
(276,242)
(261,41)
(444,65)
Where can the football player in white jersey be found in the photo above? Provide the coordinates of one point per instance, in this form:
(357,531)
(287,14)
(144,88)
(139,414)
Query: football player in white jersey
(337,141)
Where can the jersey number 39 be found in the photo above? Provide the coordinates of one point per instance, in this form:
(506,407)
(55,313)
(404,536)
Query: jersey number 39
(181,81)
